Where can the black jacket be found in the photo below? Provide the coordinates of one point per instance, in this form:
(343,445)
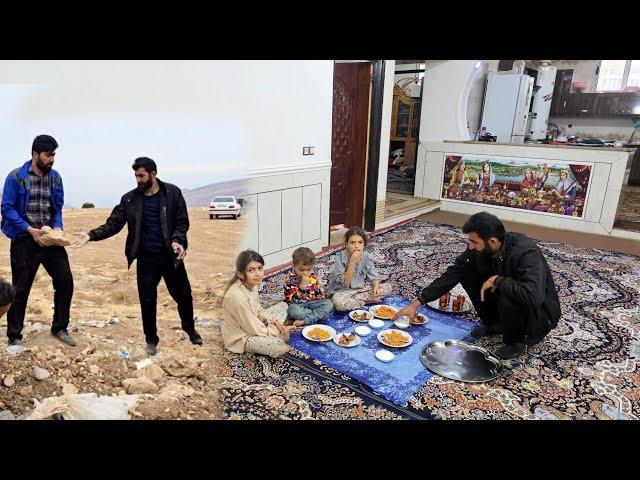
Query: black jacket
(174,220)
(526,279)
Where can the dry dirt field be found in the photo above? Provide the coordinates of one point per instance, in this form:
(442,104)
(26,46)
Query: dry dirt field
(105,321)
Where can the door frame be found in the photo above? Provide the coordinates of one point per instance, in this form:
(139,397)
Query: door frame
(373,158)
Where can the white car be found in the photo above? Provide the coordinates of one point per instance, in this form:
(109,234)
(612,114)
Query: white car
(227,205)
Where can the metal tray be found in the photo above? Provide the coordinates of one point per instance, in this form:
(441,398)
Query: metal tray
(460,361)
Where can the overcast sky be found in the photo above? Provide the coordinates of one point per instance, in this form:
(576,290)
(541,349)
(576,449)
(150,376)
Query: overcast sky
(99,139)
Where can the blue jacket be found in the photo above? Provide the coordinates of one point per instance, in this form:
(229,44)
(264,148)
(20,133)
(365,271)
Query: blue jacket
(15,198)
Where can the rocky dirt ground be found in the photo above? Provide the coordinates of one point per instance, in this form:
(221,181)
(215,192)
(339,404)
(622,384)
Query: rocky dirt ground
(106,323)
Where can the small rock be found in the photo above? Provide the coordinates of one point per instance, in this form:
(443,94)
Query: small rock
(14,350)
(35,349)
(94,369)
(137,354)
(7,415)
(26,391)
(9,381)
(139,385)
(40,373)
(153,372)
(180,367)
(2,406)
(69,389)
(121,393)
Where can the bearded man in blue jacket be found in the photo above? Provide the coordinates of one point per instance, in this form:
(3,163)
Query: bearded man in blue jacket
(32,198)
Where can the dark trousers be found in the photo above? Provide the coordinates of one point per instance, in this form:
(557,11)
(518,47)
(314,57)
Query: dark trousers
(26,258)
(151,267)
(498,310)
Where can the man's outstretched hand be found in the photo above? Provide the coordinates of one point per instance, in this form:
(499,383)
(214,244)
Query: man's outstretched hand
(80,240)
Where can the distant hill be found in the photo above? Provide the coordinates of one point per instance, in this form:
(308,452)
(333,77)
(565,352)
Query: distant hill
(202,196)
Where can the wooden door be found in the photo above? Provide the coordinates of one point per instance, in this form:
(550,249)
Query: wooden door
(351,87)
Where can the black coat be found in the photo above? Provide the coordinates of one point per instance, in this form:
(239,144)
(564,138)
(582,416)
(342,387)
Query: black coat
(526,281)
(174,220)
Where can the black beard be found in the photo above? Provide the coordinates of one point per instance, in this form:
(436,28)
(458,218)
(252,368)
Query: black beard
(43,166)
(485,253)
(143,187)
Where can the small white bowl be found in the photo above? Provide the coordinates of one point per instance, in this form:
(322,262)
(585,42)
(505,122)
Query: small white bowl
(362,330)
(402,322)
(385,356)
(375,323)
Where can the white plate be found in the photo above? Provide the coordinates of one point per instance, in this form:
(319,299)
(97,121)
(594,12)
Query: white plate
(327,328)
(375,308)
(384,356)
(352,317)
(362,330)
(354,343)
(421,320)
(382,341)
(375,323)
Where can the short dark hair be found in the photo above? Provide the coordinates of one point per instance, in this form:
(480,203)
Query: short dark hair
(303,256)
(355,231)
(7,293)
(485,225)
(44,143)
(145,162)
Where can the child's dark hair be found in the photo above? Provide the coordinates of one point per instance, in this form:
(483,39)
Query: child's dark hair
(303,256)
(355,231)
(244,259)
(7,293)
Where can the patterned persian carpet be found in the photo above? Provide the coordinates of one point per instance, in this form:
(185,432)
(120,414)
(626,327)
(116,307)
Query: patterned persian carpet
(397,182)
(587,368)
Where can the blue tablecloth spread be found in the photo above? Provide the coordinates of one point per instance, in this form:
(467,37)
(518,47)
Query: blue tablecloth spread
(401,378)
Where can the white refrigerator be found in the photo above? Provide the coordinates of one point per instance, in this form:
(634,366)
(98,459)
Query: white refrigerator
(506,106)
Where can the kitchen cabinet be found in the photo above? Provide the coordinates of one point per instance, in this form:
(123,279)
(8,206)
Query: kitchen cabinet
(561,89)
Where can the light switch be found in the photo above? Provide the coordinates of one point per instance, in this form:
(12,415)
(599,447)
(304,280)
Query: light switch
(312,150)
(305,150)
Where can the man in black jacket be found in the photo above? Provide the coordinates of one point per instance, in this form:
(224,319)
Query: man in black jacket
(157,219)
(508,281)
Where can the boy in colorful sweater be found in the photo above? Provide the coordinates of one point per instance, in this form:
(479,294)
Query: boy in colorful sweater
(307,301)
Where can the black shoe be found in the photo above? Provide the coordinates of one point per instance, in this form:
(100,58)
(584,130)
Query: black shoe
(15,341)
(510,351)
(486,331)
(195,338)
(151,348)
(64,337)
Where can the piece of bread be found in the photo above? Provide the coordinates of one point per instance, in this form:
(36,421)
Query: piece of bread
(54,238)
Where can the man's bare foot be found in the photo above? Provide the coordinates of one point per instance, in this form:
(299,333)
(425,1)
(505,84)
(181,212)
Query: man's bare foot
(299,323)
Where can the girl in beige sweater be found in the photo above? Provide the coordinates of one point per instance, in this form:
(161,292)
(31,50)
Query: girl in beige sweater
(247,327)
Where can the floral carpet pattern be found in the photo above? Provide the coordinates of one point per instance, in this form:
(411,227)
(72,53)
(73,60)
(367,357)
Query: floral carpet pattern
(586,368)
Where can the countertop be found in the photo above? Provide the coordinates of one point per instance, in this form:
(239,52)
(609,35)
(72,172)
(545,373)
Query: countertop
(544,145)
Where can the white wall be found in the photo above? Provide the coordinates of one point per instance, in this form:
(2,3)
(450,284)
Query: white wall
(289,192)
(385,129)
(445,93)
